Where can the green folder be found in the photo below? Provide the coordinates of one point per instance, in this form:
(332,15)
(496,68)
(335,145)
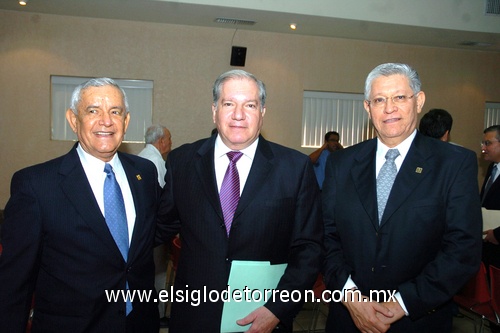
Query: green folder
(248,281)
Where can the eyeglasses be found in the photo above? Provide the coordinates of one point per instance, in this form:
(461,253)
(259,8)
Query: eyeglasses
(379,102)
(488,143)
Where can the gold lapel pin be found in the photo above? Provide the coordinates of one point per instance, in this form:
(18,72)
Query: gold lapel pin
(419,170)
(138,177)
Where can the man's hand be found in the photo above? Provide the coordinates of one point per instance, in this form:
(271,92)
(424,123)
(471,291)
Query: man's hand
(490,237)
(262,320)
(338,146)
(395,308)
(367,315)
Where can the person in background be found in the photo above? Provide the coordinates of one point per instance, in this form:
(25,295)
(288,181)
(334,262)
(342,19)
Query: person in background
(490,192)
(158,145)
(402,218)
(275,216)
(319,156)
(437,124)
(80,226)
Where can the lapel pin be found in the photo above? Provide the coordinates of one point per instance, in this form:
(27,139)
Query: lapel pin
(419,170)
(138,177)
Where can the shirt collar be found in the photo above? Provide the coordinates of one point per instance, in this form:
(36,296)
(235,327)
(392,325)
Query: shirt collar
(92,163)
(221,149)
(403,147)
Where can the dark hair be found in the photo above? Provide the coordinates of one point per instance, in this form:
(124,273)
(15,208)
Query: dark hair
(328,134)
(494,128)
(435,123)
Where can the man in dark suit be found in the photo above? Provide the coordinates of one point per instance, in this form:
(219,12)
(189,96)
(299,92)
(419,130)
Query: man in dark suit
(277,218)
(425,244)
(490,192)
(56,240)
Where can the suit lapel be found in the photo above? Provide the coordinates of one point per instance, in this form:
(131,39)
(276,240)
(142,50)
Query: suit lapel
(495,187)
(205,169)
(77,189)
(488,174)
(363,177)
(261,166)
(415,167)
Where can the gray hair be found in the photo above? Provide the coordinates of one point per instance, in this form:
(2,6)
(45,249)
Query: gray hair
(96,82)
(238,74)
(393,69)
(154,133)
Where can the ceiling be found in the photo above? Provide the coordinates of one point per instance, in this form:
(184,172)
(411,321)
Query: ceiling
(443,23)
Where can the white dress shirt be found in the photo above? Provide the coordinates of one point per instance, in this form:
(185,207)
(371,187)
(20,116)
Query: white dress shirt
(221,162)
(94,169)
(151,153)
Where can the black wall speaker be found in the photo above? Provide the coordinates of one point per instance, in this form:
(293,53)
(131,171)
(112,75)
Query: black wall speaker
(238,55)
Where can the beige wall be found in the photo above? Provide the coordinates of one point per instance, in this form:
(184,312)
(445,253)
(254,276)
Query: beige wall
(183,61)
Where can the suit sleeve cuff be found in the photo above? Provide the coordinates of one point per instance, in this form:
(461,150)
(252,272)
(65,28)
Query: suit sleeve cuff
(401,303)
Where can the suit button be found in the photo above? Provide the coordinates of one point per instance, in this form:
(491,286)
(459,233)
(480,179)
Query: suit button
(373,269)
(129,269)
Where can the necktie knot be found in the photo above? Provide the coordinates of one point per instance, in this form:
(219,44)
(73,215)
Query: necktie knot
(391,155)
(108,169)
(234,156)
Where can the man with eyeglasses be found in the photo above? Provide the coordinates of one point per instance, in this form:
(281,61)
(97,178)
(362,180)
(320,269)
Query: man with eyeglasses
(490,192)
(402,218)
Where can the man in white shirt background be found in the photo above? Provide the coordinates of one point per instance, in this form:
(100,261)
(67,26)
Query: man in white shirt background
(158,144)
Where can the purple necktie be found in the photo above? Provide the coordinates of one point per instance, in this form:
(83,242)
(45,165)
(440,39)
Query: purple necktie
(230,189)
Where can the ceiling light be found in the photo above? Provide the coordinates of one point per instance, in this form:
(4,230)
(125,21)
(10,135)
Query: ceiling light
(293,26)
(23,2)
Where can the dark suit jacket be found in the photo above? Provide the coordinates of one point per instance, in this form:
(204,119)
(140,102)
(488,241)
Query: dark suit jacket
(491,252)
(492,199)
(429,240)
(56,244)
(278,220)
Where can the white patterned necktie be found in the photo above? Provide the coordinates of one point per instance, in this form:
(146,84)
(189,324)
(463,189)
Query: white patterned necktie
(116,217)
(230,189)
(491,180)
(385,180)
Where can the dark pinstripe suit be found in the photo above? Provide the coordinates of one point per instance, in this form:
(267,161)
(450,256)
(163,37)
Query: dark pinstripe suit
(491,252)
(56,244)
(277,219)
(428,242)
